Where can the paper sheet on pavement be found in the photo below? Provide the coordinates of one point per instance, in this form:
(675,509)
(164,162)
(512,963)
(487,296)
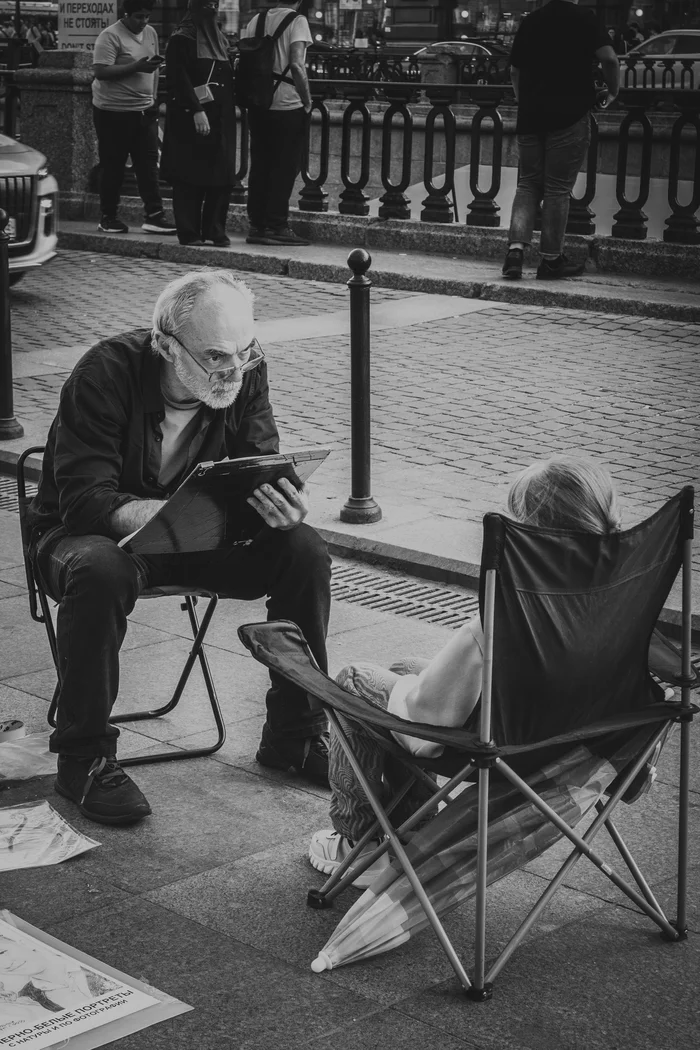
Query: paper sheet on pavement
(33,835)
(52,994)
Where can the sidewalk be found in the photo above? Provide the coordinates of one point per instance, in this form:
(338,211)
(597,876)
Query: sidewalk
(206,898)
(474,278)
(464,393)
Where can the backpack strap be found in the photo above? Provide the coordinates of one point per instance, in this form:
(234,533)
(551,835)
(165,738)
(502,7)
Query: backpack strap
(282,77)
(260,25)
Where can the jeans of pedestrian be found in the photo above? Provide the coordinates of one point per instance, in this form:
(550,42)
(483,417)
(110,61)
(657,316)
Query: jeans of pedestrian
(549,164)
(120,135)
(276,142)
(351,813)
(200,211)
(97,584)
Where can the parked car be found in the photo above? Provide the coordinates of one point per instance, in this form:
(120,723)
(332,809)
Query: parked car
(676,45)
(479,62)
(29,195)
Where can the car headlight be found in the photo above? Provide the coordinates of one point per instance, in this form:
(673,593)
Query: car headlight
(42,173)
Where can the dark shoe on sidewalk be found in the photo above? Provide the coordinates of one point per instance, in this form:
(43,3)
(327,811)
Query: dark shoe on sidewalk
(256,236)
(513,265)
(307,757)
(221,242)
(191,244)
(158,224)
(101,790)
(107,225)
(555,269)
(285,236)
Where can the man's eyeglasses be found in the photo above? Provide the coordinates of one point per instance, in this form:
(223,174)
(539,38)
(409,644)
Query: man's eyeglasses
(246,359)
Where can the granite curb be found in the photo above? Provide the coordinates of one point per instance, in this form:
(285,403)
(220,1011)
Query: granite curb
(563,296)
(421,564)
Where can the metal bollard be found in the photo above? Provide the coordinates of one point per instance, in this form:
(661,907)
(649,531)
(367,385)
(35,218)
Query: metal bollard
(360,508)
(9,427)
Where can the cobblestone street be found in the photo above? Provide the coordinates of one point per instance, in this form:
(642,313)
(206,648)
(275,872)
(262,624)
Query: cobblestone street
(458,404)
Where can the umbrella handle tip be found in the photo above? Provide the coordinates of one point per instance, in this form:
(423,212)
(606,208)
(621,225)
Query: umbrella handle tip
(321,963)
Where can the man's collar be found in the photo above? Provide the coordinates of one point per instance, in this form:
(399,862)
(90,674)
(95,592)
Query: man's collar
(152,394)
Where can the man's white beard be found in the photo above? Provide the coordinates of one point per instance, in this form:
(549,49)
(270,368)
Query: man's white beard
(219,394)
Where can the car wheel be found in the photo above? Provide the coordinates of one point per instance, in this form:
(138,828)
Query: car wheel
(15,278)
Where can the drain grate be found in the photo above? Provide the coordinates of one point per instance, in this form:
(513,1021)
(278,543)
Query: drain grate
(8,493)
(397,594)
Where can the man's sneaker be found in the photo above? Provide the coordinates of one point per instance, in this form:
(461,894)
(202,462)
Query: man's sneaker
(108,225)
(101,789)
(221,242)
(513,266)
(158,224)
(555,269)
(308,757)
(285,236)
(328,849)
(256,236)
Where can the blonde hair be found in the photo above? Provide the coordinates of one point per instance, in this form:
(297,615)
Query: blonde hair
(566,492)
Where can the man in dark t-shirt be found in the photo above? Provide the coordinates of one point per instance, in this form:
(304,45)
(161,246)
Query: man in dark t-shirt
(552,64)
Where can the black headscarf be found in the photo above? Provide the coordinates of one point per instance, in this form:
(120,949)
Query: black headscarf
(200,25)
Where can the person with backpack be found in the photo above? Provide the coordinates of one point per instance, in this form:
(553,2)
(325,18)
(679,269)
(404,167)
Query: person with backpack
(271,82)
(199,144)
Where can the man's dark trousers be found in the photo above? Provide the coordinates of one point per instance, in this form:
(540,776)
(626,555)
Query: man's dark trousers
(97,584)
(276,145)
(121,134)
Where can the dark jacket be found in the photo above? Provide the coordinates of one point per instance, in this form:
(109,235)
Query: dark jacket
(100,449)
(198,160)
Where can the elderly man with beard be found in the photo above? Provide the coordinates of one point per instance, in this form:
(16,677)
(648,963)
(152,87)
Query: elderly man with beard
(138,412)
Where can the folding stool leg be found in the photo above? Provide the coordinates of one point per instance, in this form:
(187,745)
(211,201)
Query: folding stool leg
(687,679)
(196,652)
(403,860)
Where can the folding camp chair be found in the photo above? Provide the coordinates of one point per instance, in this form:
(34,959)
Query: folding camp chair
(40,609)
(568,619)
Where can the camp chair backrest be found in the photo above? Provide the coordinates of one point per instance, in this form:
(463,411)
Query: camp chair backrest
(573,617)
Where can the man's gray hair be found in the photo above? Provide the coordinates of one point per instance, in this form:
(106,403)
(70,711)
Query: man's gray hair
(176,302)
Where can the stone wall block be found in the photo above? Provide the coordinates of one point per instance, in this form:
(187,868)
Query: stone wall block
(56,115)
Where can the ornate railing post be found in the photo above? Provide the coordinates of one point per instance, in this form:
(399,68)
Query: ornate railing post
(630,221)
(580,215)
(436,206)
(353,201)
(681,225)
(360,508)
(9,427)
(483,210)
(394,204)
(238,191)
(313,197)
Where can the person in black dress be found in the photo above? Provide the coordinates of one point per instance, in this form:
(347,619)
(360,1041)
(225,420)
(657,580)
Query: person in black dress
(199,145)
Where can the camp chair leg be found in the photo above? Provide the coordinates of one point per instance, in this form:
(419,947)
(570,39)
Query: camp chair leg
(405,863)
(681,923)
(480,990)
(629,860)
(583,846)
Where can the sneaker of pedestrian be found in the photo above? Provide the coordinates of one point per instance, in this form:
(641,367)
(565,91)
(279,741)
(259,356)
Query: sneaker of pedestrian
(101,789)
(285,236)
(513,265)
(556,269)
(328,850)
(221,242)
(256,236)
(112,225)
(308,757)
(158,224)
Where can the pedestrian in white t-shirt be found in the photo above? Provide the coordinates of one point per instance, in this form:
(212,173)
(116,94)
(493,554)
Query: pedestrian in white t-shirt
(125,63)
(277,134)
